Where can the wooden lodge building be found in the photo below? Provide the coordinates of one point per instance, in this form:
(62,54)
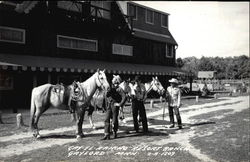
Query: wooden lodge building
(62,41)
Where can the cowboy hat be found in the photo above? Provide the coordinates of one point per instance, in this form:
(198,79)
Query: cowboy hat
(173,80)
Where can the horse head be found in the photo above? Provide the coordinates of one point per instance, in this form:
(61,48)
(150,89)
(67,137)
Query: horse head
(157,86)
(101,80)
(116,79)
(125,85)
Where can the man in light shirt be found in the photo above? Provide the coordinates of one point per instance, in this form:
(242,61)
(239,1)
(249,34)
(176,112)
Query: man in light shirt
(174,101)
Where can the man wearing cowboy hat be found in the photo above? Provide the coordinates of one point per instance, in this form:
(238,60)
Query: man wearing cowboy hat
(174,101)
(116,98)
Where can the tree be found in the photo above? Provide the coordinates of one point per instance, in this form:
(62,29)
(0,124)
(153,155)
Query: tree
(205,64)
(179,62)
(190,65)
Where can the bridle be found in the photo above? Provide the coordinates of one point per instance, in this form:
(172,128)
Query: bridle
(157,86)
(101,83)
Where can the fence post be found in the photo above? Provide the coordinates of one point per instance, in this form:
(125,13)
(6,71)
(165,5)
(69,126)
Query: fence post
(19,120)
(151,103)
(197,98)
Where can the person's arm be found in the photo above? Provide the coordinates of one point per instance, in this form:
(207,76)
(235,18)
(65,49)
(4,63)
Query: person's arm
(179,99)
(123,95)
(145,95)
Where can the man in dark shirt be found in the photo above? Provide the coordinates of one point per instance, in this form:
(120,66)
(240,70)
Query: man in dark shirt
(116,98)
(138,105)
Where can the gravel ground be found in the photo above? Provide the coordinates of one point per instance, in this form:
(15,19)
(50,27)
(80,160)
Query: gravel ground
(214,130)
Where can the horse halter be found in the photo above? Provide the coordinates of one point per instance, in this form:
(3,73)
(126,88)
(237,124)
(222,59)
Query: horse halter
(101,83)
(158,88)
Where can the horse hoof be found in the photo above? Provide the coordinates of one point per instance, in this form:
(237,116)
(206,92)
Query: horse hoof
(94,127)
(38,136)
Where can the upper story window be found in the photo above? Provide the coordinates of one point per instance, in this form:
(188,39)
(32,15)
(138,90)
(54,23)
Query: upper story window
(77,43)
(164,20)
(132,11)
(169,50)
(69,5)
(149,16)
(120,49)
(101,9)
(13,35)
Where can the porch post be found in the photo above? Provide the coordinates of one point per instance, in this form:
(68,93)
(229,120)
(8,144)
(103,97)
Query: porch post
(191,81)
(49,78)
(34,80)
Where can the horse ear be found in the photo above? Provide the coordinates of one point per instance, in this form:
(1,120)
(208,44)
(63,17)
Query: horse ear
(156,78)
(104,70)
(98,70)
(113,75)
(153,78)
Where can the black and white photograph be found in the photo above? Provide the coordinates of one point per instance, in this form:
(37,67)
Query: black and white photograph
(136,81)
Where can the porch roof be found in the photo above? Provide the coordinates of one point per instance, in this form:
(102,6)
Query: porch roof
(41,63)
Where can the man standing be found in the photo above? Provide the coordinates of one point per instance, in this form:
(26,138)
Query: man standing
(116,98)
(173,96)
(138,105)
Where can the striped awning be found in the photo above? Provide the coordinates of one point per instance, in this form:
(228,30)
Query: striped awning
(55,64)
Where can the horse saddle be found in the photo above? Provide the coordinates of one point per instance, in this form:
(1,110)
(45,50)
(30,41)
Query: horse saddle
(77,94)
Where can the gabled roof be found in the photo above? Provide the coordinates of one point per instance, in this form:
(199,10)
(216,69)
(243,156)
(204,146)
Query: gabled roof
(123,5)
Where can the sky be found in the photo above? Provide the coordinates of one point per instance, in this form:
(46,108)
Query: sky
(207,29)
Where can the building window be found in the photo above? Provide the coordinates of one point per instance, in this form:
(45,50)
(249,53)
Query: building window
(164,21)
(13,35)
(120,49)
(132,11)
(71,6)
(149,16)
(77,43)
(6,81)
(169,50)
(102,10)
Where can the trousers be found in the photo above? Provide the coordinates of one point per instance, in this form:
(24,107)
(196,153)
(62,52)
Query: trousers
(112,113)
(171,114)
(138,107)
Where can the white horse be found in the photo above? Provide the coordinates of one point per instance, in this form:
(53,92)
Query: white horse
(88,88)
(155,85)
(45,96)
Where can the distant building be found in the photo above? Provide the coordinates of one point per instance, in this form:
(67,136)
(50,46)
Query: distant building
(206,74)
(62,41)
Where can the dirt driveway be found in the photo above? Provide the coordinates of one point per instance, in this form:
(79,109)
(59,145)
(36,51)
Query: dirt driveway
(215,131)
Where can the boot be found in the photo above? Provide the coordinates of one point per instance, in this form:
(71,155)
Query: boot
(171,126)
(115,134)
(106,137)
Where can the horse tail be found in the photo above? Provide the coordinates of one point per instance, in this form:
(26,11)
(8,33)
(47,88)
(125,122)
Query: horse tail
(32,110)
